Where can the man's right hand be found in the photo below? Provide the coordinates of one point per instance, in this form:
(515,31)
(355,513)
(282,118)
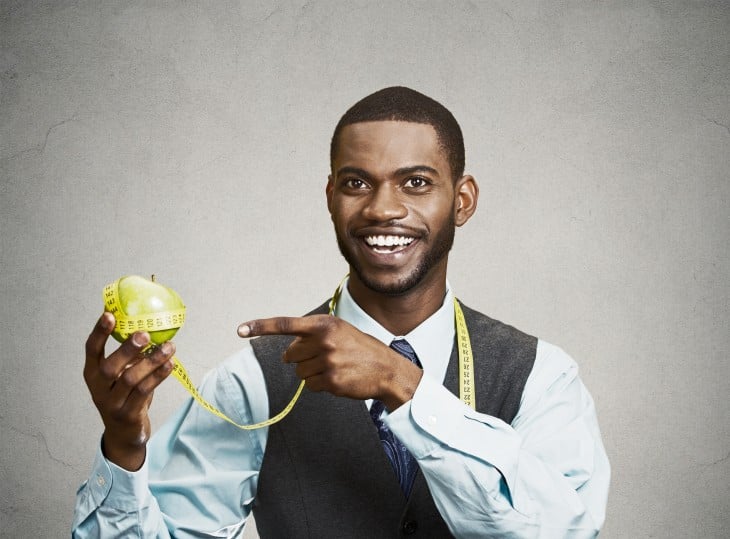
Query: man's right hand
(121,387)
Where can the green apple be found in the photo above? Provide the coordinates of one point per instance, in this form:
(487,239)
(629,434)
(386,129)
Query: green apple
(140,297)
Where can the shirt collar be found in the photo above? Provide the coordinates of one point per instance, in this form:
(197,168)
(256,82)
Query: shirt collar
(432,340)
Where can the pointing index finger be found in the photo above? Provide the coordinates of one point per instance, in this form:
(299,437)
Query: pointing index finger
(282,325)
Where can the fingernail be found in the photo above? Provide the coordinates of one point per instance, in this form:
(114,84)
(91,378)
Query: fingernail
(244,330)
(140,339)
(106,321)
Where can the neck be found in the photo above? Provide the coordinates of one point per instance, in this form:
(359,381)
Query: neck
(402,313)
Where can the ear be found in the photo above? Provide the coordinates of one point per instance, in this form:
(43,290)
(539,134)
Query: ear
(329,190)
(466,193)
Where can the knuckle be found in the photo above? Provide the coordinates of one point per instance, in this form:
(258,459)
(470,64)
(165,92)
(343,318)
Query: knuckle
(329,345)
(285,325)
(143,390)
(332,379)
(128,347)
(128,378)
(89,347)
(161,372)
(107,371)
(329,363)
(324,323)
(118,415)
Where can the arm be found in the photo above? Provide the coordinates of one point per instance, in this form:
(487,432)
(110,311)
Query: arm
(546,475)
(199,475)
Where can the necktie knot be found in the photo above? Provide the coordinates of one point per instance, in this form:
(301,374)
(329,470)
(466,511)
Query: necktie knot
(406,350)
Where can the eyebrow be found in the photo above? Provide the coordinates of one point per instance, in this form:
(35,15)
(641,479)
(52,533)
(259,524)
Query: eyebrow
(403,171)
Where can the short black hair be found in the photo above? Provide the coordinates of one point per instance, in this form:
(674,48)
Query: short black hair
(402,104)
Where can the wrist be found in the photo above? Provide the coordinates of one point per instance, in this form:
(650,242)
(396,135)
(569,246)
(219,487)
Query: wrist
(402,384)
(130,457)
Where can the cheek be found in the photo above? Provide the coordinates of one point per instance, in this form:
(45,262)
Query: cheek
(339,218)
(435,215)
(343,210)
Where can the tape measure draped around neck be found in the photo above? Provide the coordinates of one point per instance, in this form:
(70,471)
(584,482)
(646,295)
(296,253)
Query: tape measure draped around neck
(467,392)
(126,325)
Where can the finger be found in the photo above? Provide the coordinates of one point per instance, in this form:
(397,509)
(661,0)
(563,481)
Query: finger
(127,354)
(284,325)
(322,382)
(308,369)
(136,374)
(140,395)
(97,338)
(301,350)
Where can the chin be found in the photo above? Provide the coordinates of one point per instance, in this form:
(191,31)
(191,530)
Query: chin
(391,286)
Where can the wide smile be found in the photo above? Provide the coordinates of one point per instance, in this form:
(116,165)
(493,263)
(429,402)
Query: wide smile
(388,243)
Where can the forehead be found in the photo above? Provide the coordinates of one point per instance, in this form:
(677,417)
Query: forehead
(387,145)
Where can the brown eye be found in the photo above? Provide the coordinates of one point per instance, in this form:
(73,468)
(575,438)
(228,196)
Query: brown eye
(416,181)
(355,183)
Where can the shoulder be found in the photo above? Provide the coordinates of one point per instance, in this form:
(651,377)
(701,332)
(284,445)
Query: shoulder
(553,384)
(553,364)
(481,322)
(550,360)
(555,354)
(496,337)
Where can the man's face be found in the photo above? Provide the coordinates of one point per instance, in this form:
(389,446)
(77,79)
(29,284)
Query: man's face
(392,201)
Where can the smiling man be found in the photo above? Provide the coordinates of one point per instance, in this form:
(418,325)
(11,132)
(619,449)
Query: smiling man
(423,417)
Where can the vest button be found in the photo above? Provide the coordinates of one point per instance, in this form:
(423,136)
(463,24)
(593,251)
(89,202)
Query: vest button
(410,527)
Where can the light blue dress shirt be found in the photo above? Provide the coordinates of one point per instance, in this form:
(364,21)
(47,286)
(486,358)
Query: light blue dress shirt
(544,476)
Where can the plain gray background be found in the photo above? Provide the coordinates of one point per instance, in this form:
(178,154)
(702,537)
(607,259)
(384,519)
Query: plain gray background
(190,140)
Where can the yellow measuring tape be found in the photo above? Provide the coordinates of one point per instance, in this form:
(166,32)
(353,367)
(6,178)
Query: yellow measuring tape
(161,321)
(466,358)
(168,320)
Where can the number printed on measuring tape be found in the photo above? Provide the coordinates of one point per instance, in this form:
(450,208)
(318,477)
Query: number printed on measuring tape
(466,363)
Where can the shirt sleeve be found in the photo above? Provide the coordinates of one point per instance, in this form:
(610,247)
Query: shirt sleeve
(545,475)
(200,474)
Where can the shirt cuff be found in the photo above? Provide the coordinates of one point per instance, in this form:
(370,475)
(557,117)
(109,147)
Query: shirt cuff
(435,417)
(116,487)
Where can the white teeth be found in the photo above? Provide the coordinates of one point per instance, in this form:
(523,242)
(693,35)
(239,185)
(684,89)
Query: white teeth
(387,241)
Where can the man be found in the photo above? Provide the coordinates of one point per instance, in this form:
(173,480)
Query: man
(395,436)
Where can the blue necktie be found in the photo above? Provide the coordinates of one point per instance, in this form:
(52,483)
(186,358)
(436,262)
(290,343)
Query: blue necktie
(404,464)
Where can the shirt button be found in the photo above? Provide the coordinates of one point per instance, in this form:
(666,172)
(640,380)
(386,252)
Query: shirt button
(410,527)
(432,420)
(100,480)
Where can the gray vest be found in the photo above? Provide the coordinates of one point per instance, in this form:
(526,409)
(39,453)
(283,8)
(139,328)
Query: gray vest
(324,472)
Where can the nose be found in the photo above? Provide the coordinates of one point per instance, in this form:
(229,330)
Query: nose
(384,204)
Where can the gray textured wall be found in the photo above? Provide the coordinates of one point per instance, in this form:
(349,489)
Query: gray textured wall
(190,140)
